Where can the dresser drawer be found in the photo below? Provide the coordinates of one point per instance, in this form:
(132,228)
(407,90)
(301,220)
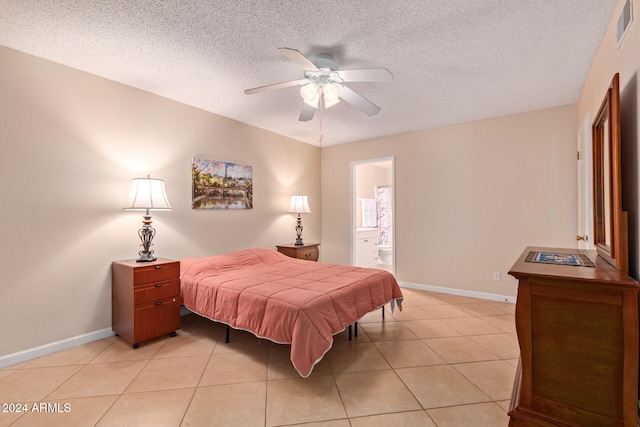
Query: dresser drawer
(156,273)
(156,291)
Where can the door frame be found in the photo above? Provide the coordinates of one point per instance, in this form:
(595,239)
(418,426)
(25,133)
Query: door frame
(353,202)
(585,191)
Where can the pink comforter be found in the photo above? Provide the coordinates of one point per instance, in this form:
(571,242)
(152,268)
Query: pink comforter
(283,299)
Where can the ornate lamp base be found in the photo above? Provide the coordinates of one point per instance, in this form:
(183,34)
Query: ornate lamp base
(299,231)
(146,234)
(146,257)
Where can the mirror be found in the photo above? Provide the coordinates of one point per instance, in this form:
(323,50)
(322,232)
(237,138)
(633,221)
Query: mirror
(610,222)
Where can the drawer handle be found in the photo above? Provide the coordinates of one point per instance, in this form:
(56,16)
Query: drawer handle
(158,267)
(159,285)
(158,302)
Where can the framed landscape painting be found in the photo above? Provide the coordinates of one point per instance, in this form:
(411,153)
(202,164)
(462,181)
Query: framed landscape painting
(221,185)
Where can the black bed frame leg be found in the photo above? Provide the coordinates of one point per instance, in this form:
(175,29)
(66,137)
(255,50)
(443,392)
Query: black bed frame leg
(383,312)
(355,325)
(226,334)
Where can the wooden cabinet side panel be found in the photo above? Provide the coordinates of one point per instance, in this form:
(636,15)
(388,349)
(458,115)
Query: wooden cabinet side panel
(631,357)
(122,300)
(574,339)
(577,346)
(524,332)
(288,251)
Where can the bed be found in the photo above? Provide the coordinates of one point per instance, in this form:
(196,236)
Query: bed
(283,299)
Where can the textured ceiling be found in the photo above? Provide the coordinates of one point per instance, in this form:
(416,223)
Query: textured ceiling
(452,61)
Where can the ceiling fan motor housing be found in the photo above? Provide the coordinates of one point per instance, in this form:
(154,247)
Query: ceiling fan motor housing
(324,61)
(326,72)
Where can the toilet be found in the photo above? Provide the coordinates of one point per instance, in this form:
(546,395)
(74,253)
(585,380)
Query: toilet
(385,254)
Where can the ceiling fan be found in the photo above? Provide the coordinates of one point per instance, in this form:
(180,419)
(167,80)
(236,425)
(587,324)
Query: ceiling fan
(323,84)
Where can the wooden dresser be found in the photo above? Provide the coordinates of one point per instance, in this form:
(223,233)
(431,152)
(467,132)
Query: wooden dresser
(145,299)
(308,251)
(578,332)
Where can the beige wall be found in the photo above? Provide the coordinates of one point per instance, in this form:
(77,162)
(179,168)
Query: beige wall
(625,61)
(71,143)
(469,197)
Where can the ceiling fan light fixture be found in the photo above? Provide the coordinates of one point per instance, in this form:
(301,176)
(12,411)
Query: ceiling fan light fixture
(331,94)
(310,94)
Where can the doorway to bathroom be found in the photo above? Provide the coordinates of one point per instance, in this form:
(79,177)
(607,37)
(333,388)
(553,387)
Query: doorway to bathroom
(373,213)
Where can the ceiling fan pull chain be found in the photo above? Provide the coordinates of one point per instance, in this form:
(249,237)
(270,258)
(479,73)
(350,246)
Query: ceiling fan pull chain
(321,108)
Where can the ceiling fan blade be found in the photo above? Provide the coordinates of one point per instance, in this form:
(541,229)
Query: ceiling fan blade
(366,75)
(360,102)
(298,58)
(307,113)
(276,86)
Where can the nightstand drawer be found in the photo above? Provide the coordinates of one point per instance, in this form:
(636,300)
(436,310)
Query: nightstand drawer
(156,318)
(156,291)
(156,273)
(308,254)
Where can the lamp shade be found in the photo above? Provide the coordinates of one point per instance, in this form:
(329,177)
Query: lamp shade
(147,193)
(299,204)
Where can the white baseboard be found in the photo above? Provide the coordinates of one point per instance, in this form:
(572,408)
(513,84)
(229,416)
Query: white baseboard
(43,350)
(461,292)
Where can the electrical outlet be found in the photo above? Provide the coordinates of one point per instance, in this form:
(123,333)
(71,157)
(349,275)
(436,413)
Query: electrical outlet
(496,275)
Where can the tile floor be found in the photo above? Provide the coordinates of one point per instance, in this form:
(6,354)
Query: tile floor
(444,360)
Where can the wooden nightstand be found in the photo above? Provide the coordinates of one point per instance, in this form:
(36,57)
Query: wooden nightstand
(308,251)
(145,299)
